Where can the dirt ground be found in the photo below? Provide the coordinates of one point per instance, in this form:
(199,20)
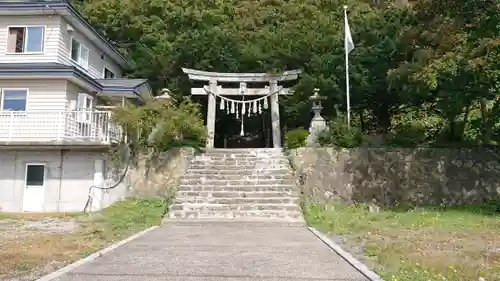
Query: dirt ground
(31,246)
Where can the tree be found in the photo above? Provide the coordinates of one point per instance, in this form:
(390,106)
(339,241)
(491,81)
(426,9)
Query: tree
(435,56)
(454,62)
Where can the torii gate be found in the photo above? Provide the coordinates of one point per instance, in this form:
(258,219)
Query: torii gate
(213,90)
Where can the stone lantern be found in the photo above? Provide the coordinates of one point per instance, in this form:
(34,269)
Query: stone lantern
(318,123)
(316,104)
(165,95)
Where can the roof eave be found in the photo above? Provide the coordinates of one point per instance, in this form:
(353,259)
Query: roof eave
(141,91)
(146,93)
(124,62)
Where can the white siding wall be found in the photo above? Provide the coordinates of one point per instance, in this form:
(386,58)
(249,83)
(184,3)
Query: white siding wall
(52,36)
(42,94)
(66,185)
(72,91)
(96,63)
(45,119)
(46,100)
(57,45)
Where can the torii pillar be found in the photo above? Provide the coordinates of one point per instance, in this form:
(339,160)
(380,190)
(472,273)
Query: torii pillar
(214,77)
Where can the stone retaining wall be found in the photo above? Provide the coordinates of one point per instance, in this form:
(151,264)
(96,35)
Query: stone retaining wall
(157,177)
(423,176)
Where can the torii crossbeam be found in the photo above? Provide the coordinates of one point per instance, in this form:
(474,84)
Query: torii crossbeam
(213,89)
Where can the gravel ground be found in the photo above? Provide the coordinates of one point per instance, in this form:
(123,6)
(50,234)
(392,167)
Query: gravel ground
(16,228)
(19,233)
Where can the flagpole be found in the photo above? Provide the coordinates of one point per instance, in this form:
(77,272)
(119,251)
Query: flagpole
(348,98)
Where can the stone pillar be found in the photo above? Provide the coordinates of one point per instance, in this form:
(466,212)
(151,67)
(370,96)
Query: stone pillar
(318,123)
(212,103)
(275,114)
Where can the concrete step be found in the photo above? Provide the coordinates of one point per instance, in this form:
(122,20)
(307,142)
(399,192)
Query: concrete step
(233,165)
(250,182)
(238,221)
(208,150)
(269,159)
(236,200)
(210,188)
(224,167)
(229,164)
(205,157)
(241,155)
(236,207)
(262,215)
(244,151)
(255,177)
(240,163)
(248,171)
(237,194)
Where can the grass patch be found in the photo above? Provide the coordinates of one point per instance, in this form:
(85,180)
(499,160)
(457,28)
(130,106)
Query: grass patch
(30,253)
(123,219)
(417,245)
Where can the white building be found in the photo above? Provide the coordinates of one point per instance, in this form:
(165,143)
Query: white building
(54,70)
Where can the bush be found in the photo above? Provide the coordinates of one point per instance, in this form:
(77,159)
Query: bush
(162,124)
(338,135)
(415,127)
(296,138)
(407,135)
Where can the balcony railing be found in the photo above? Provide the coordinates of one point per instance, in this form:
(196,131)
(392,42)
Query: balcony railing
(58,126)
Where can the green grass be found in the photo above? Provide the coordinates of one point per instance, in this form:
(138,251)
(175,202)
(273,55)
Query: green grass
(418,245)
(125,218)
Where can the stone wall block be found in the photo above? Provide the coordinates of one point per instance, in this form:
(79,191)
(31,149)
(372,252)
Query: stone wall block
(421,176)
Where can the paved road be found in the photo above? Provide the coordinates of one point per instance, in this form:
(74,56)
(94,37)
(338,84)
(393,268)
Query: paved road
(220,252)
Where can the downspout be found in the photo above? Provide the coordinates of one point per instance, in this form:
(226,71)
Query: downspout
(61,161)
(14,183)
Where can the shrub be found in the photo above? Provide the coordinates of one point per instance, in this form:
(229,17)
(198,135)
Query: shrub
(296,138)
(338,135)
(407,135)
(162,124)
(415,127)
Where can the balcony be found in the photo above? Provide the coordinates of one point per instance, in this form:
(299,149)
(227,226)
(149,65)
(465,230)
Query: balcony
(58,128)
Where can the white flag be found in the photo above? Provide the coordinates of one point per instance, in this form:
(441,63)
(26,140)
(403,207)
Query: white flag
(348,43)
(348,46)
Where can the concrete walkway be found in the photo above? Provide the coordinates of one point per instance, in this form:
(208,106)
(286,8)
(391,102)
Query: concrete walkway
(220,252)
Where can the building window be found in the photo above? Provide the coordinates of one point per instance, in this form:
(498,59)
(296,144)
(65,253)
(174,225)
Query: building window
(14,99)
(84,102)
(108,74)
(28,39)
(35,175)
(79,53)
(84,105)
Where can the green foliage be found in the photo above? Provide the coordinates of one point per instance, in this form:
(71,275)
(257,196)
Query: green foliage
(337,134)
(453,63)
(415,127)
(442,57)
(162,124)
(248,36)
(416,242)
(126,217)
(296,138)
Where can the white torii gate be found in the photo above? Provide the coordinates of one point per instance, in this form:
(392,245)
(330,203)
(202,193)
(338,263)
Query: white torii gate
(213,89)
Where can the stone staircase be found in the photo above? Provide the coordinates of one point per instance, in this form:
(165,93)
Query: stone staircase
(238,184)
